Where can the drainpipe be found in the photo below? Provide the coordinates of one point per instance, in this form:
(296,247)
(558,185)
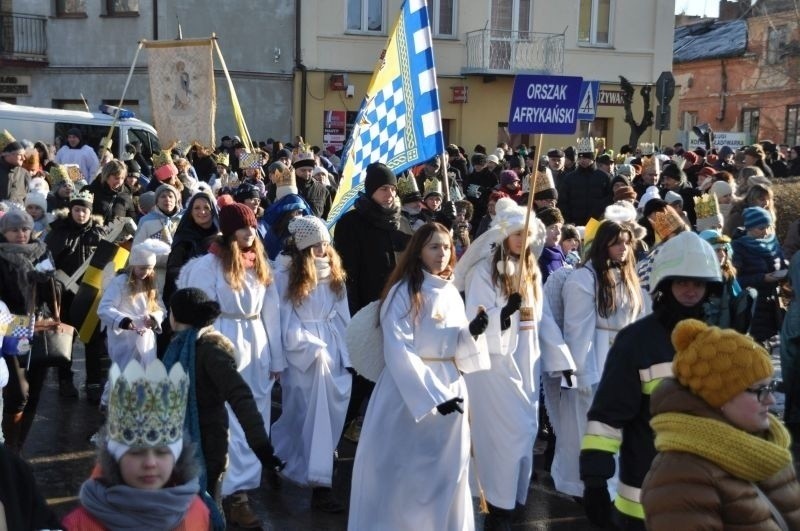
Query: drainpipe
(298,64)
(155,20)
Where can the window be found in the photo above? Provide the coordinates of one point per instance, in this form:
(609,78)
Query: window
(594,23)
(776,39)
(70,8)
(689,120)
(442,13)
(70,105)
(793,125)
(122,7)
(750,123)
(599,128)
(365,15)
(510,24)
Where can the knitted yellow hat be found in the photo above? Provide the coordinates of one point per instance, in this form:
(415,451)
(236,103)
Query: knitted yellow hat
(717,364)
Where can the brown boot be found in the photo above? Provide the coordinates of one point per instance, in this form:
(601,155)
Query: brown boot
(238,511)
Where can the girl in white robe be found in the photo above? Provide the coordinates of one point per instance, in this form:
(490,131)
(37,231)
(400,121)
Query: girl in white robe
(131,310)
(316,383)
(236,274)
(600,298)
(411,466)
(505,399)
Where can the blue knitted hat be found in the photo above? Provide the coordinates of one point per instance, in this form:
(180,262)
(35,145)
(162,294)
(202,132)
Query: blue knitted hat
(755,217)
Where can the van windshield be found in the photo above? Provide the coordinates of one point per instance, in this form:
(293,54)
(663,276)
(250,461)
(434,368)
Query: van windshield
(91,134)
(148,142)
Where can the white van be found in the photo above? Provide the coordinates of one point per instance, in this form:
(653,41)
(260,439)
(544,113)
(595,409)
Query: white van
(40,124)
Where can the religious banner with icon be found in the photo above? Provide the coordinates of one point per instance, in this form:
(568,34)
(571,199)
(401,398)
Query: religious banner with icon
(182,91)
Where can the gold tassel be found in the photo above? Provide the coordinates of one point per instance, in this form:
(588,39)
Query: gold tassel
(482,505)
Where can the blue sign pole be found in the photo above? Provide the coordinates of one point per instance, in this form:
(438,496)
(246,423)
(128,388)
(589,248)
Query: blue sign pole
(544,104)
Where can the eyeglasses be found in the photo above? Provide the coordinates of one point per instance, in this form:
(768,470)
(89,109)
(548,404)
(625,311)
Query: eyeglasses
(764,391)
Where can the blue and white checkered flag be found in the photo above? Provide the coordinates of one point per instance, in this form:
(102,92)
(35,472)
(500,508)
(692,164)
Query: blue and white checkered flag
(399,123)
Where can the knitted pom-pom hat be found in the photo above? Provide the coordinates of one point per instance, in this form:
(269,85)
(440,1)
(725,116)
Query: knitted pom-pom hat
(717,364)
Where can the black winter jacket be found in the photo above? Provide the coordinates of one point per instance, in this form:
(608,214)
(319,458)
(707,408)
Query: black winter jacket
(369,240)
(585,193)
(111,204)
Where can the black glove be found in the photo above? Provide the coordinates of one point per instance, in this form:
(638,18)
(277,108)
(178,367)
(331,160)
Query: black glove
(38,277)
(126,324)
(597,502)
(448,210)
(478,325)
(351,370)
(568,377)
(513,305)
(445,408)
(270,461)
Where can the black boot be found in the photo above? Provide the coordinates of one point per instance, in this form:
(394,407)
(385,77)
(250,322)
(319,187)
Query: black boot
(498,519)
(322,499)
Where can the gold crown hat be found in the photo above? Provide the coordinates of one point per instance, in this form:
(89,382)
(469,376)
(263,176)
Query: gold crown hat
(221,159)
(585,145)
(708,212)
(407,188)
(5,139)
(651,162)
(304,159)
(433,186)
(666,223)
(647,149)
(284,179)
(544,184)
(163,165)
(146,407)
(58,174)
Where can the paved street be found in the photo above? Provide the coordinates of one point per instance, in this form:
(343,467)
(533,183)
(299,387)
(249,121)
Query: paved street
(59,450)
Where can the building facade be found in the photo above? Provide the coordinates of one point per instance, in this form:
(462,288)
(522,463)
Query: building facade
(747,85)
(480,45)
(77,53)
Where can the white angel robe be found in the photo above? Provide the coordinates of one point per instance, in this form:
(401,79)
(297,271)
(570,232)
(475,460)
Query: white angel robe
(316,385)
(250,318)
(505,399)
(411,466)
(588,336)
(116,304)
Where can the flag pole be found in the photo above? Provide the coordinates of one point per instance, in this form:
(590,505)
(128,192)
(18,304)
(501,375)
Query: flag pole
(104,142)
(528,213)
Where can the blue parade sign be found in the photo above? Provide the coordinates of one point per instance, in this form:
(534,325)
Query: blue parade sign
(544,104)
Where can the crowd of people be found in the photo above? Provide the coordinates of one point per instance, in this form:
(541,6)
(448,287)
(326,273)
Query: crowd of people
(619,306)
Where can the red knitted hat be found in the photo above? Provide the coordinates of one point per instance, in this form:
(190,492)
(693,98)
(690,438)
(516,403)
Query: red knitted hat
(234,217)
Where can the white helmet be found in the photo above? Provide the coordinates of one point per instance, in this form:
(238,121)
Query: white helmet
(686,255)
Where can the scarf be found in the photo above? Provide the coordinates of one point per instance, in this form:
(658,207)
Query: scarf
(383,218)
(182,350)
(122,507)
(766,248)
(737,452)
(323,266)
(23,257)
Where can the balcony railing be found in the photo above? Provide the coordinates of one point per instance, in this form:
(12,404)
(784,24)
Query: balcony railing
(493,51)
(23,37)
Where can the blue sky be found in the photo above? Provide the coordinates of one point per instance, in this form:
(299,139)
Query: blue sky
(709,8)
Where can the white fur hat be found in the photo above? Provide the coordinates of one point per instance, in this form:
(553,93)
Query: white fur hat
(38,184)
(650,193)
(37,198)
(147,252)
(308,231)
(621,212)
(509,218)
